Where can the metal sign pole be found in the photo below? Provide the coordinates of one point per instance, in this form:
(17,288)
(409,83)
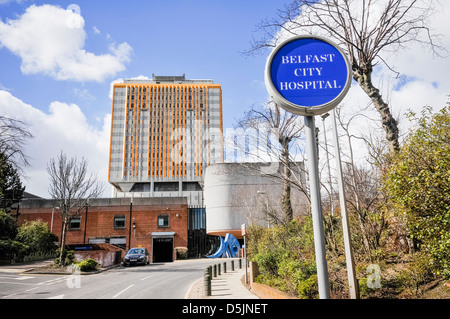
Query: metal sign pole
(316,209)
(351,272)
(309,75)
(244,233)
(245,260)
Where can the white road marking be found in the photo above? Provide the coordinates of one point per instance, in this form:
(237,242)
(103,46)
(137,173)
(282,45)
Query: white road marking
(24,278)
(16,278)
(148,277)
(118,294)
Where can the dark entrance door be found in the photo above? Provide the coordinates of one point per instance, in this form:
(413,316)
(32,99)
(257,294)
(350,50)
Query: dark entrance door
(162,250)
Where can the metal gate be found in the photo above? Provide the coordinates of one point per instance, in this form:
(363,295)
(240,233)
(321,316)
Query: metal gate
(199,243)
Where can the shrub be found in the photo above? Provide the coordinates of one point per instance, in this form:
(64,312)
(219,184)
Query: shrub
(418,273)
(68,257)
(87,265)
(268,262)
(418,185)
(36,235)
(309,288)
(285,257)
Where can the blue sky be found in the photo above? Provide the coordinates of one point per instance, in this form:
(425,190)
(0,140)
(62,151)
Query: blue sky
(44,80)
(57,67)
(201,38)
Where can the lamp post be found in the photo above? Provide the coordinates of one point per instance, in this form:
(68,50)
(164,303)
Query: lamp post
(129,231)
(51,223)
(85,222)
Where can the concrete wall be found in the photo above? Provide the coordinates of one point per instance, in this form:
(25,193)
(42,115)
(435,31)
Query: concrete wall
(237,193)
(104,258)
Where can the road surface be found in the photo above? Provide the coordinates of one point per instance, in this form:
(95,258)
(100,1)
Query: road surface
(154,281)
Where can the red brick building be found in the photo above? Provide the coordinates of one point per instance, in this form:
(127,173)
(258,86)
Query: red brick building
(158,224)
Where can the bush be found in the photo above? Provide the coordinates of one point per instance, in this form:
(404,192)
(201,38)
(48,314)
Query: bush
(268,262)
(68,257)
(8,226)
(418,273)
(418,185)
(87,265)
(285,257)
(37,237)
(8,231)
(308,289)
(12,250)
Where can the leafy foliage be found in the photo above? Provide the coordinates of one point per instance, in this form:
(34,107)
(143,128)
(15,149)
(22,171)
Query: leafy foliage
(87,265)
(8,226)
(66,257)
(285,257)
(8,232)
(418,185)
(32,238)
(11,188)
(37,237)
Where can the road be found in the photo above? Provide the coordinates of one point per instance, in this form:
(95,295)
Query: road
(154,281)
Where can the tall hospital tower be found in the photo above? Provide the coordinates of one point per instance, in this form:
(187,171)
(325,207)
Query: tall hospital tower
(164,134)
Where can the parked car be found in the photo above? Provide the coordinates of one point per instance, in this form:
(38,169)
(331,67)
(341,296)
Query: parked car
(137,256)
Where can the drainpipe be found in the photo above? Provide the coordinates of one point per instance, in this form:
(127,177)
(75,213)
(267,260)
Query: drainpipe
(131,213)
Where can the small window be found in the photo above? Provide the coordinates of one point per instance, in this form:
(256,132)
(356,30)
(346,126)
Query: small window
(75,223)
(119,222)
(163,220)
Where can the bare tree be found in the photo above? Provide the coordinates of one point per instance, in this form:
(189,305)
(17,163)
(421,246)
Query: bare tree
(72,188)
(366,29)
(13,136)
(362,182)
(286,127)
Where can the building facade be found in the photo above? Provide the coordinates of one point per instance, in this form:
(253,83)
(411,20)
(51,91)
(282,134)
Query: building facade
(164,133)
(158,224)
(244,193)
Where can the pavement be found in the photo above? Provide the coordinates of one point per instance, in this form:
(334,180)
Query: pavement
(229,285)
(20,268)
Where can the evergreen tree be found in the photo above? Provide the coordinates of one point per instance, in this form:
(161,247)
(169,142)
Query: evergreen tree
(11,188)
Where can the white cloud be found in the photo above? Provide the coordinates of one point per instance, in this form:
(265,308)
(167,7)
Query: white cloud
(426,82)
(65,128)
(120,80)
(50,40)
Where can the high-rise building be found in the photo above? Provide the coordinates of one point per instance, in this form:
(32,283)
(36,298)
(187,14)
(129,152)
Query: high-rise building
(164,134)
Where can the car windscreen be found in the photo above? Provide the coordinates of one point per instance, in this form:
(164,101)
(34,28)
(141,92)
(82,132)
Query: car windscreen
(136,251)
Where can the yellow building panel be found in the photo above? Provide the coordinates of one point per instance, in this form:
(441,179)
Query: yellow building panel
(166,105)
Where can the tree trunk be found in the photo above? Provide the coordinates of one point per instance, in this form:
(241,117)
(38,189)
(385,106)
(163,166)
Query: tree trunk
(63,242)
(390,125)
(288,214)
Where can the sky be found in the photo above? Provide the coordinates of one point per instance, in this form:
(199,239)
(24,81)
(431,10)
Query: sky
(58,60)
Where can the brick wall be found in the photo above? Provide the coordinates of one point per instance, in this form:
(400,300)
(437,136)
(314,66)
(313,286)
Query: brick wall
(100,220)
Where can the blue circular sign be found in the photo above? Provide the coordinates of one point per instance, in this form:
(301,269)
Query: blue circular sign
(308,75)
